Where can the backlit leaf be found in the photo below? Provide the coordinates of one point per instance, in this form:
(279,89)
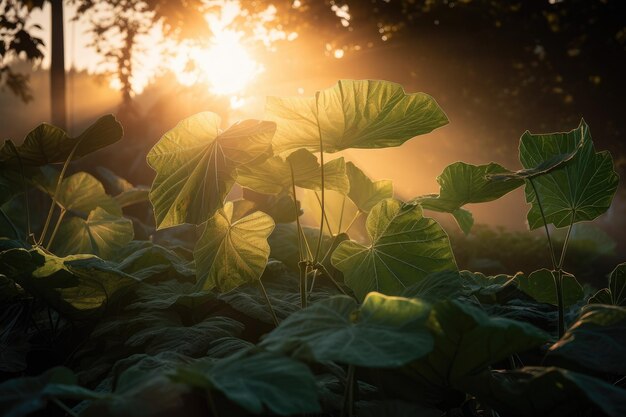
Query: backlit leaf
(365,193)
(195,165)
(578,191)
(353,114)
(274,175)
(616,293)
(540,285)
(232,252)
(101,234)
(405,247)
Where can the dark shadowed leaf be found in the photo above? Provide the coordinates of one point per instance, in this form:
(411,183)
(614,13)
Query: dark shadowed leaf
(257,382)
(196,162)
(353,114)
(405,246)
(540,286)
(597,340)
(551,392)
(467,341)
(47,144)
(385,332)
(445,285)
(616,293)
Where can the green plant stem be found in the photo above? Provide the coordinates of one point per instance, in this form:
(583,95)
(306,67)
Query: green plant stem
(312,283)
(332,279)
(343,206)
(545,224)
(330,232)
(56,192)
(321,233)
(567,236)
(56,228)
(348,396)
(296,212)
(356,216)
(304,270)
(558,284)
(269,303)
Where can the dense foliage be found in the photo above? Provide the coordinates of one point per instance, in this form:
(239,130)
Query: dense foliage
(233,307)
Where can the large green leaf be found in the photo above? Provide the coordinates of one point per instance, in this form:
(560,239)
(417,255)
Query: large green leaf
(405,247)
(274,175)
(353,114)
(365,193)
(196,163)
(540,285)
(24,396)
(257,382)
(232,251)
(101,234)
(597,340)
(578,191)
(444,285)
(82,192)
(47,144)
(550,392)
(616,293)
(467,341)
(385,332)
(76,285)
(462,184)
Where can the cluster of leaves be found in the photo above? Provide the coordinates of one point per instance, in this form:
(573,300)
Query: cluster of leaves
(257,314)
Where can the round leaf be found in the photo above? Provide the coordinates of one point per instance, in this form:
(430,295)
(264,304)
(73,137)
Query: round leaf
(385,332)
(405,248)
(232,252)
(365,193)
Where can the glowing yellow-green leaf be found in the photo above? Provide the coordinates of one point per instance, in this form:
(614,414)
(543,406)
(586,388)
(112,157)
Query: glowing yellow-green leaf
(195,165)
(353,114)
(274,175)
(101,234)
(405,247)
(232,252)
(364,192)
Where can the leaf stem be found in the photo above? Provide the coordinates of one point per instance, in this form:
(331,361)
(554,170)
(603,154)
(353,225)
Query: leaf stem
(304,270)
(321,233)
(330,232)
(56,228)
(356,216)
(269,303)
(343,206)
(296,212)
(348,396)
(545,224)
(56,192)
(558,284)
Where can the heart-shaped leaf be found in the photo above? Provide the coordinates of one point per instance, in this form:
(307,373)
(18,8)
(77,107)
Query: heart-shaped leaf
(580,190)
(467,341)
(232,251)
(82,192)
(385,332)
(365,193)
(256,382)
(405,247)
(47,144)
(597,340)
(540,285)
(101,234)
(196,163)
(274,175)
(353,114)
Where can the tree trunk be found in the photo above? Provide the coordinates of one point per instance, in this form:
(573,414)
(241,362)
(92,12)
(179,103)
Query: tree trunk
(57,67)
